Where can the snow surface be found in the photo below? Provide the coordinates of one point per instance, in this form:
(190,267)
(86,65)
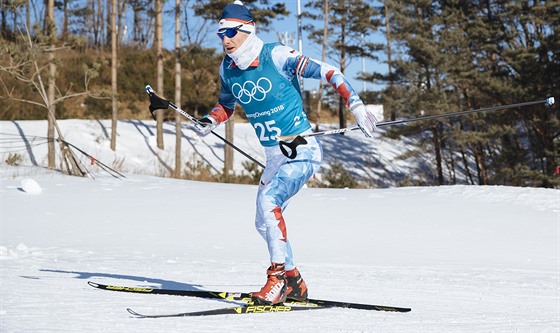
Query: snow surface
(464,258)
(382,161)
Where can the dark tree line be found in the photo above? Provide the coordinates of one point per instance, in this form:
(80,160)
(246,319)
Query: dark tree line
(459,55)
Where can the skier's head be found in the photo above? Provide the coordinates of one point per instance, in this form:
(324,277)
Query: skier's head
(235,26)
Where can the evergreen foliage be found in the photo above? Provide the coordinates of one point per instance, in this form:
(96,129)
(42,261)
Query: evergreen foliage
(458,55)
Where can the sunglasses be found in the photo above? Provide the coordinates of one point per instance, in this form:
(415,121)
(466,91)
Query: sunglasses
(231,32)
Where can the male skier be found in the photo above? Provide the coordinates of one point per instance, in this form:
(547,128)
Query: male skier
(263,79)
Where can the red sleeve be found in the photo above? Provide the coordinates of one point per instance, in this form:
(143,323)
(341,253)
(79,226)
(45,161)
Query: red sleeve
(221,113)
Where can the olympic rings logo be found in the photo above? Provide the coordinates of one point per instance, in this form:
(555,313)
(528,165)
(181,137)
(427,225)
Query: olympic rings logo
(251,90)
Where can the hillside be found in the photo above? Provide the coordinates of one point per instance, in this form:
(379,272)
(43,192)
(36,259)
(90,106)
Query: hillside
(377,162)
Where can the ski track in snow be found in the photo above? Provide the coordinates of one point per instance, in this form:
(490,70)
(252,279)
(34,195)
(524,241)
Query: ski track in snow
(464,258)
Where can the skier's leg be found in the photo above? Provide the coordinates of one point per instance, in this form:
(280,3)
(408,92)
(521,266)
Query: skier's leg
(281,180)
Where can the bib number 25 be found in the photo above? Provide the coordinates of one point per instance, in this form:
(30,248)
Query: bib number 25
(267,131)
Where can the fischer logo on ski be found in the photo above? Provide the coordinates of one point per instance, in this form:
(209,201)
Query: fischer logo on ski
(132,289)
(266,308)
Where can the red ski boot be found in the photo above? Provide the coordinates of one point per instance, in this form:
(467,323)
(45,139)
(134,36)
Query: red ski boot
(297,289)
(274,291)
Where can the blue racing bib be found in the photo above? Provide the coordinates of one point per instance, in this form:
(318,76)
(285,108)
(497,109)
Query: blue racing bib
(272,103)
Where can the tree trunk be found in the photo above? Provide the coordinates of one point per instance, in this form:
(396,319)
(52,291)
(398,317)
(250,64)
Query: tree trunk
(466,166)
(341,103)
(68,157)
(3,22)
(323,57)
(27,14)
(121,27)
(65,21)
(389,62)
(159,50)
(228,150)
(178,131)
(136,36)
(114,65)
(107,23)
(480,166)
(98,19)
(50,31)
(437,148)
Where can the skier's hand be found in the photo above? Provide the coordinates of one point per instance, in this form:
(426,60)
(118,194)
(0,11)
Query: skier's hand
(205,125)
(549,102)
(366,119)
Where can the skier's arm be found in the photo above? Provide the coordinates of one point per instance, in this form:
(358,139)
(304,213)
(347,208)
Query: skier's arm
(290,62)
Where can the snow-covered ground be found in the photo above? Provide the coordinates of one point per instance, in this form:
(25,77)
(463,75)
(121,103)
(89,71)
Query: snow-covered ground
(464,258)
(380,161)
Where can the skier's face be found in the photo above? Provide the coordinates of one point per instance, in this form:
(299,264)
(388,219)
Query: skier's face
(231,44)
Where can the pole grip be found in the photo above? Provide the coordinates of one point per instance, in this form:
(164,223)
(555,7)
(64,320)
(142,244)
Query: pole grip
(292,146)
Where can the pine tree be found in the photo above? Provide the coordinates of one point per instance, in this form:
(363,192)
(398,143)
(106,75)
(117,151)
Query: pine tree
(466,55)
(349,22)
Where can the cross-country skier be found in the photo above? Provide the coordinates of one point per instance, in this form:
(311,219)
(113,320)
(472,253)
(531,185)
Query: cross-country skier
(263,79)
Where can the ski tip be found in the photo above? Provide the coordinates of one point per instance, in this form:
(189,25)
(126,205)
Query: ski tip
(93,284)
(134,313)
(392,309)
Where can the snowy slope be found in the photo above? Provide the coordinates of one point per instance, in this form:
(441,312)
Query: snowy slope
(465,259)
(377,160)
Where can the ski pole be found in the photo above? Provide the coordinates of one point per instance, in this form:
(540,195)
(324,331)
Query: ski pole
(157,103)
(297,140)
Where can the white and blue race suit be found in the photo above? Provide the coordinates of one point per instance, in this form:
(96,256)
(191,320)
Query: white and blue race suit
(269,93)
